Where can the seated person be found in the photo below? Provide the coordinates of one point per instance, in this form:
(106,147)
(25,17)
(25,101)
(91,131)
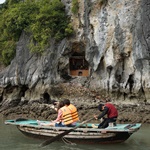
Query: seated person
(64,117)
(74,112)
(109,110)
(58,120)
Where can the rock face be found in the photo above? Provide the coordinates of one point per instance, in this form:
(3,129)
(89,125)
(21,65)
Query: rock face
(115,38)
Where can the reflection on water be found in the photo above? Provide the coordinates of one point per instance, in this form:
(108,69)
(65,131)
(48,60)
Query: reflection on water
(12,139)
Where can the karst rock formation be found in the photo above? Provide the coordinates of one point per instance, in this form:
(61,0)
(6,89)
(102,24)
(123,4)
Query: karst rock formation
(112,37)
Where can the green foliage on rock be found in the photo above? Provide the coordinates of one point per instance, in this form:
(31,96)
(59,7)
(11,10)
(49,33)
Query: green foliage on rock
(75,7)
(44,19)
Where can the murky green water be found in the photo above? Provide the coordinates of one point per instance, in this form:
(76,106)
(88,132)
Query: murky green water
(12,139)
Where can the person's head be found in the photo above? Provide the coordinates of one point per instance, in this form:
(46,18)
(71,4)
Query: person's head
(60,105)
(101,107)
(54,102)
(67,102)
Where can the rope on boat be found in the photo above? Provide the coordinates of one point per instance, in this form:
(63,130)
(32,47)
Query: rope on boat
(67,141)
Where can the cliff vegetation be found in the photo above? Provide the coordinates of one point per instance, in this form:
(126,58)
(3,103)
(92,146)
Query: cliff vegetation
(43,19)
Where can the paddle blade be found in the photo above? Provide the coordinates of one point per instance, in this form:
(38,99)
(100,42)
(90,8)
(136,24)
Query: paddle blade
(49,141)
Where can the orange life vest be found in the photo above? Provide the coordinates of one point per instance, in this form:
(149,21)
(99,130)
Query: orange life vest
(74,113)
(66,115)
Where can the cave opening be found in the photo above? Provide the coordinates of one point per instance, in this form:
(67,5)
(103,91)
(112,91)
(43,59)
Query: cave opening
(1,98)
(130,82)
(24,88)
(78,66)
(46,97)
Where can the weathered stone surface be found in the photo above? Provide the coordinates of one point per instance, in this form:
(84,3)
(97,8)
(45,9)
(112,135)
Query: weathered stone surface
(115,37)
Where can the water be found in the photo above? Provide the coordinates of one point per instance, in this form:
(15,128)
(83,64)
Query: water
(12,139)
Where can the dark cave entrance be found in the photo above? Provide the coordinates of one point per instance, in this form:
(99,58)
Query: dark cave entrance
(78,66)
(23,90)
(46,97)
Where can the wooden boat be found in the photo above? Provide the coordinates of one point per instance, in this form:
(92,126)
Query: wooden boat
(82,134)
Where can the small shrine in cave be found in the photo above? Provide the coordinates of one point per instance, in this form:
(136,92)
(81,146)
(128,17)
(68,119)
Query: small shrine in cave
(78,66)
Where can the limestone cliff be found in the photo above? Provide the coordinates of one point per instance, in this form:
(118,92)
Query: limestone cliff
(114,36)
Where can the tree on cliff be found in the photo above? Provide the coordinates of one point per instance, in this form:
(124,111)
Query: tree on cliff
(43,19)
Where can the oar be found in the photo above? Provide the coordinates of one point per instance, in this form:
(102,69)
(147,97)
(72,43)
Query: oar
(49,141)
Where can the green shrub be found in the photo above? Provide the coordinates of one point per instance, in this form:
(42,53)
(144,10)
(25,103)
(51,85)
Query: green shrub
(75,6)
(8,54)
(44,19)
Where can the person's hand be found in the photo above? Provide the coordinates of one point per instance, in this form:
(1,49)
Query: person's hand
(53,107)
(95,116)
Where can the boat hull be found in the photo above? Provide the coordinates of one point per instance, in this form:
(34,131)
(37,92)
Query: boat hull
(102,138)
(84,134)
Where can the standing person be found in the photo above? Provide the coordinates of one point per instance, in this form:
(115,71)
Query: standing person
(74,112)
(109,110)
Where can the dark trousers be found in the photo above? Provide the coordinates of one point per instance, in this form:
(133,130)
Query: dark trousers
(106,122)
(62,125)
